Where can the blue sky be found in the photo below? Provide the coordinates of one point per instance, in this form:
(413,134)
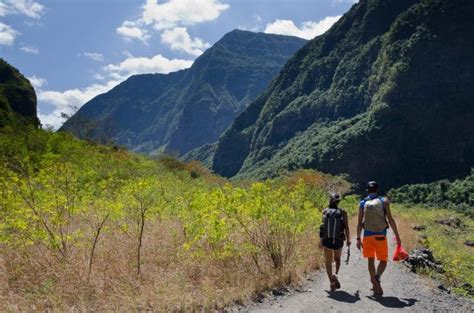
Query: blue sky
(73,50)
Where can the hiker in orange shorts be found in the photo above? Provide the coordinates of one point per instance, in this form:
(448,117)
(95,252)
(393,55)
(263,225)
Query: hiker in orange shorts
(374,217)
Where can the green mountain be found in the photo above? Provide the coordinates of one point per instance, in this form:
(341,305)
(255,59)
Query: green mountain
(387,93)
(186,109)
(17,97)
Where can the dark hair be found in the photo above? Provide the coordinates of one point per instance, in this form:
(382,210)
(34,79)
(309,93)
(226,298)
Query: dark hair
(334,199)
(372,186)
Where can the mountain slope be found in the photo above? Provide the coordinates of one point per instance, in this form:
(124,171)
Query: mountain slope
(184,110)
(17,97)
(386,93)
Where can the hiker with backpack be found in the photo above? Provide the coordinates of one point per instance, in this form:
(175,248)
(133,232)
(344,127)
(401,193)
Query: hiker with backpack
(375,217)
(332,232)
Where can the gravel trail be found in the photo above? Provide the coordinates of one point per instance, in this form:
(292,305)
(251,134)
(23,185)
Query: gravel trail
(403,292)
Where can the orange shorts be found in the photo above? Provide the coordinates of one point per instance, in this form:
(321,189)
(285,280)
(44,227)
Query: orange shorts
(375,246)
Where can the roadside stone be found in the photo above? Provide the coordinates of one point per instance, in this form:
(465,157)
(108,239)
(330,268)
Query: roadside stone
(468,288)
(419,227)
(469,243)
(451,222)
(423,258)
(281,291)
(259,298)
(443,288)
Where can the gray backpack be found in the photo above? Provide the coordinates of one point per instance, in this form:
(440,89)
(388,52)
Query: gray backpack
(333,224)
(375,216)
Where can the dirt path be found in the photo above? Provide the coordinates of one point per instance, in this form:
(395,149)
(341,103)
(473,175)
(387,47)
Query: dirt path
(403,291)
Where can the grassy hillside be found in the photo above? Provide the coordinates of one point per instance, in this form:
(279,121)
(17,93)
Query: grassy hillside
(386,93)
(97,228)
(182,111)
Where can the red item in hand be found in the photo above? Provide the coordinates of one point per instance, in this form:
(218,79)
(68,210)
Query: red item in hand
(400,254)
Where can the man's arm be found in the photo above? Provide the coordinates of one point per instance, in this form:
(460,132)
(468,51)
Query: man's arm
(346,225)
(391,221)
(359,227)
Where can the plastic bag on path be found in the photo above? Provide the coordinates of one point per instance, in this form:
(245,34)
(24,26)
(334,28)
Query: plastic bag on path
(400,254)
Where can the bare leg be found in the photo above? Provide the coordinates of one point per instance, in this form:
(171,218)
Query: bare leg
(381,268)
(372,267)
(328,256)
(337,259)
(378,291)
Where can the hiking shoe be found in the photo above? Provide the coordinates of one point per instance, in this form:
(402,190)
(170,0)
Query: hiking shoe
(332,285)
(336,282)
(377,288)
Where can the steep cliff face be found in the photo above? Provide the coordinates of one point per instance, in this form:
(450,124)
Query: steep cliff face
(386,93)
(184,110)
(17,97)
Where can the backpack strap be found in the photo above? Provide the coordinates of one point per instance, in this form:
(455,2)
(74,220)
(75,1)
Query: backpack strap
(382,199)
(384,211)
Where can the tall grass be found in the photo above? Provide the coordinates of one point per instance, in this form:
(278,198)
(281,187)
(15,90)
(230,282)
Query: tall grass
(89,227)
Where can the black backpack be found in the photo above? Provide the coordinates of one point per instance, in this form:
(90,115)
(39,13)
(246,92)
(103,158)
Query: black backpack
(333,224)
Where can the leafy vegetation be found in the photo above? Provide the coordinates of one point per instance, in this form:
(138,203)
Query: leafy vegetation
(455,195)
(386,93)
(17,98)
(93,227)
(447,242)
(444,212)
(181,111)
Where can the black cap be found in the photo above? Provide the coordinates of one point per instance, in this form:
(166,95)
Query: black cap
(372,186)
(335,197)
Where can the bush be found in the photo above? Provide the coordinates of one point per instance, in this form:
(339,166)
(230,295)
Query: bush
(89,226)
(455,195)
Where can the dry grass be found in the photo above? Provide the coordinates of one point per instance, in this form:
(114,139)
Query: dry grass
(172,279)
(327,182)
(410,237)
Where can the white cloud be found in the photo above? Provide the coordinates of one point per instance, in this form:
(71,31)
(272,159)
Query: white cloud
(7,34)
(170,16)
(66,102)
(29,8)
(140,65)
(256,27)
(179,39)
(99,76)
(3,9)
(74,97)
(181,12)
(94,56)
(37,82)
(343,1)
(131,30)
(308,30)
(29,49)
